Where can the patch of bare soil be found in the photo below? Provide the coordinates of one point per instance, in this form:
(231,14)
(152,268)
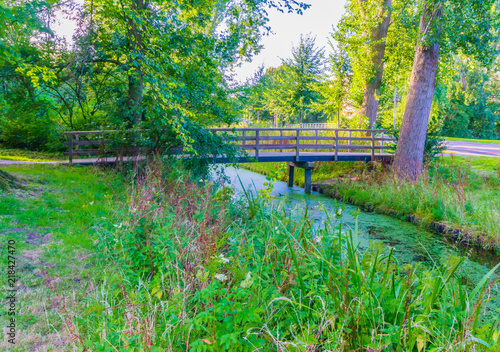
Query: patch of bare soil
(46,299)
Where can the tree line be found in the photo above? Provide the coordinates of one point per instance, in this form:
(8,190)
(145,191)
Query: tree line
(417,66)
(166,66)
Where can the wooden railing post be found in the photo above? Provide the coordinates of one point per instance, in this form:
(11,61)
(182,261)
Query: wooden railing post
(316,142)
(373,145)
(257,145)
(336,145)
(244,137)
(382,144)
(281,141)
(350,136)
(70,148)
(297,146)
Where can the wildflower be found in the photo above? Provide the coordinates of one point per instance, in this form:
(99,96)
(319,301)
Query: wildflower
(248,281)
(220,277)
(318,239)
(118,226)
(339,212)
(223,259)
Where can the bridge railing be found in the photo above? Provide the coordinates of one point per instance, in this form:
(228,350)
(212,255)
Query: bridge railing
(328,125)
(372,141)
(258,140)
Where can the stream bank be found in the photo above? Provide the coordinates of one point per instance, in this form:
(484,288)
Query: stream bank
(451,199)
(412,244)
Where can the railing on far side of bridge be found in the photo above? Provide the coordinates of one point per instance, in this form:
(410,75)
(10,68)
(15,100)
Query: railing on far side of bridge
(258,140)
(307,140)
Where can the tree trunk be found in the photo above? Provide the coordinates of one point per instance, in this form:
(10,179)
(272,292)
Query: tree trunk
(135,79)
(410,150)
(369,107)
(134,99)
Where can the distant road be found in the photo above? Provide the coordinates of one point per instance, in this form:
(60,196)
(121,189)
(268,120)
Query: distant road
(472,149)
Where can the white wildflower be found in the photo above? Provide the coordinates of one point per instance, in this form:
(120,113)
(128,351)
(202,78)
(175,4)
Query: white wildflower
(223,259)
(248,281)
(220,277)
(318,239)
(118,226)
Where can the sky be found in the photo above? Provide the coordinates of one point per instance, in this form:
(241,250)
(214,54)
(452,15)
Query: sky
(317,20)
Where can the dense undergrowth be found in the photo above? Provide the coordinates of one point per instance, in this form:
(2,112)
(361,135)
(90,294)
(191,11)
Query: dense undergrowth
(181,266)
(191,269)
(458,194)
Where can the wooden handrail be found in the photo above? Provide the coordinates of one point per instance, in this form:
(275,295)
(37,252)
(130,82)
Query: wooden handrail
(297,140)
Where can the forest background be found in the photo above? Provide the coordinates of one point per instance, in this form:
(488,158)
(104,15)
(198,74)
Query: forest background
(167,66)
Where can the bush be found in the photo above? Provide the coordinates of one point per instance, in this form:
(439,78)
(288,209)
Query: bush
(31,128)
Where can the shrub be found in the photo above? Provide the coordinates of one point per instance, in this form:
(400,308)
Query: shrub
(31,128)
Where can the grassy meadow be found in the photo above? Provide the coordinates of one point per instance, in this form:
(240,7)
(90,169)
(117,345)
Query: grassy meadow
(157,262)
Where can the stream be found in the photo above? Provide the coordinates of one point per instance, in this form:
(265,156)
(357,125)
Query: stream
(411,243)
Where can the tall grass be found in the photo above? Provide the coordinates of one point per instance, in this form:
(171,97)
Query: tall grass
(192,268)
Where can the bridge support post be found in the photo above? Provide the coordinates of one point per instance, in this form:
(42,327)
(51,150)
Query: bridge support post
(308,181)
(291,169)
(308,166)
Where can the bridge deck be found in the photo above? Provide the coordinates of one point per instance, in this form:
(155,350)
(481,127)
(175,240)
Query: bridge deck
(266,158)
(308,156)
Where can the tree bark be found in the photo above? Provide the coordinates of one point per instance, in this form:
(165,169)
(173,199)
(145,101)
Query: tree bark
(134,98)
(369,106)
(410,150)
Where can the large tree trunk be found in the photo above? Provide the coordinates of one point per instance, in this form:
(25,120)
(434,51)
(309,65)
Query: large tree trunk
(410,150)
(370,103)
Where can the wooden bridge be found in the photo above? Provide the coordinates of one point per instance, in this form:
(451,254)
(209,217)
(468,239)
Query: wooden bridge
(300,147)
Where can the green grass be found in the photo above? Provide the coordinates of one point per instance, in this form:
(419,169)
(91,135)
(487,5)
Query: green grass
(59,212)
(28,155)
(476,163)
(488,141)
(322,170)
(166,264)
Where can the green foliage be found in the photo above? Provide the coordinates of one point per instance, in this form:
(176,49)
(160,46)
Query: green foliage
(31,128)
(468,103)
(150,64)
(217,276)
